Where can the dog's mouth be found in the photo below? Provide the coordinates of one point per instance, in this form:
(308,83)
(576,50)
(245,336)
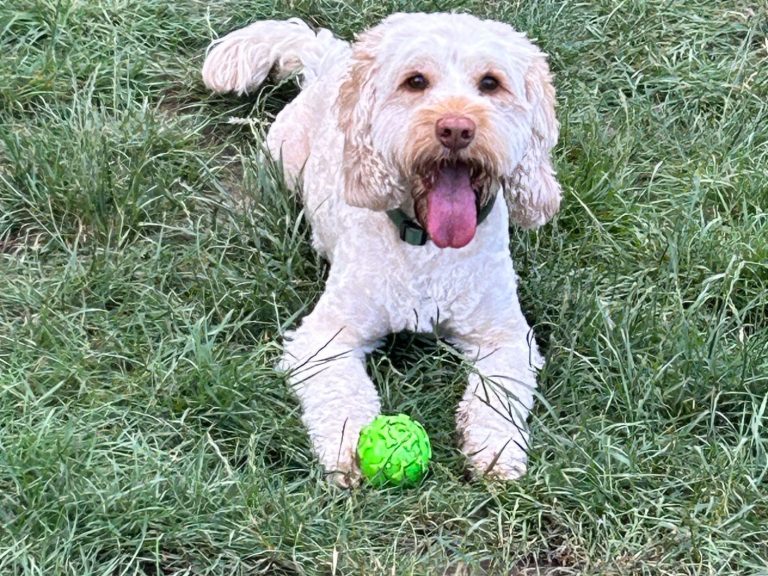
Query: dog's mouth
(454,191)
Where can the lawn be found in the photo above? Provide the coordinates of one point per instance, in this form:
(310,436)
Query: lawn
(150,259)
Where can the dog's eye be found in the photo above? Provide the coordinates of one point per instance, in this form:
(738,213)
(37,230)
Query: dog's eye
(488,84)
(417,82)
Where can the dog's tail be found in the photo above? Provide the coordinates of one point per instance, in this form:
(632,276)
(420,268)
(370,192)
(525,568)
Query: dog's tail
(241,60)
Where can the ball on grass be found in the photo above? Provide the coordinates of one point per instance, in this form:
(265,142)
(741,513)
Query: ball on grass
(394,451)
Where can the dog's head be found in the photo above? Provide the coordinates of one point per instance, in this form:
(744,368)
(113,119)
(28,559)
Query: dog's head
(442,111)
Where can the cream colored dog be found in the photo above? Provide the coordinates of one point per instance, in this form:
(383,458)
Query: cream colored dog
(399,144)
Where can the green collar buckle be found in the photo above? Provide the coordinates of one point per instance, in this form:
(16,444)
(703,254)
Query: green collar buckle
(411,231)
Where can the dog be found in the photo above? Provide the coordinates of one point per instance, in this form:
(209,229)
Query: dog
(400,144)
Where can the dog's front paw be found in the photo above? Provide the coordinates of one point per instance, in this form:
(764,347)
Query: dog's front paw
(339,457)
(494,457)
(344,471)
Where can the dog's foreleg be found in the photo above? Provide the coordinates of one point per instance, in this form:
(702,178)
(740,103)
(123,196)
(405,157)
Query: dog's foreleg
(325,360)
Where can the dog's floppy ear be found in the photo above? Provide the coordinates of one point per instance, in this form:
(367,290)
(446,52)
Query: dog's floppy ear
(532,192)
(368,182)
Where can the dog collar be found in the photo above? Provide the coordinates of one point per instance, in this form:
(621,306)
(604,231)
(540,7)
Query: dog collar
(411,231)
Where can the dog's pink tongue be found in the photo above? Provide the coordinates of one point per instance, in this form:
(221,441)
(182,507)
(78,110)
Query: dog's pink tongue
(451,209)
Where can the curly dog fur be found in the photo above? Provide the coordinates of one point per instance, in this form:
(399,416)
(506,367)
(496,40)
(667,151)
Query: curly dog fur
(434,115)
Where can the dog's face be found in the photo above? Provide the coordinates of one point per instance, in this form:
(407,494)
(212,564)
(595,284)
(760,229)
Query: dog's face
(441,111)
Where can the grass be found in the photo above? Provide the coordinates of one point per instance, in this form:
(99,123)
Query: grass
(150,259)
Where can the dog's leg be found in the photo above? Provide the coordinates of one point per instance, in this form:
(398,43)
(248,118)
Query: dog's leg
(493,411)
(325,359)
(492,414)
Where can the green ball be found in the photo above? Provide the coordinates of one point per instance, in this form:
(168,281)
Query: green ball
(394,451)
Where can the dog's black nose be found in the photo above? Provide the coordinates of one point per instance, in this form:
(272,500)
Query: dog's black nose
(455,132)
